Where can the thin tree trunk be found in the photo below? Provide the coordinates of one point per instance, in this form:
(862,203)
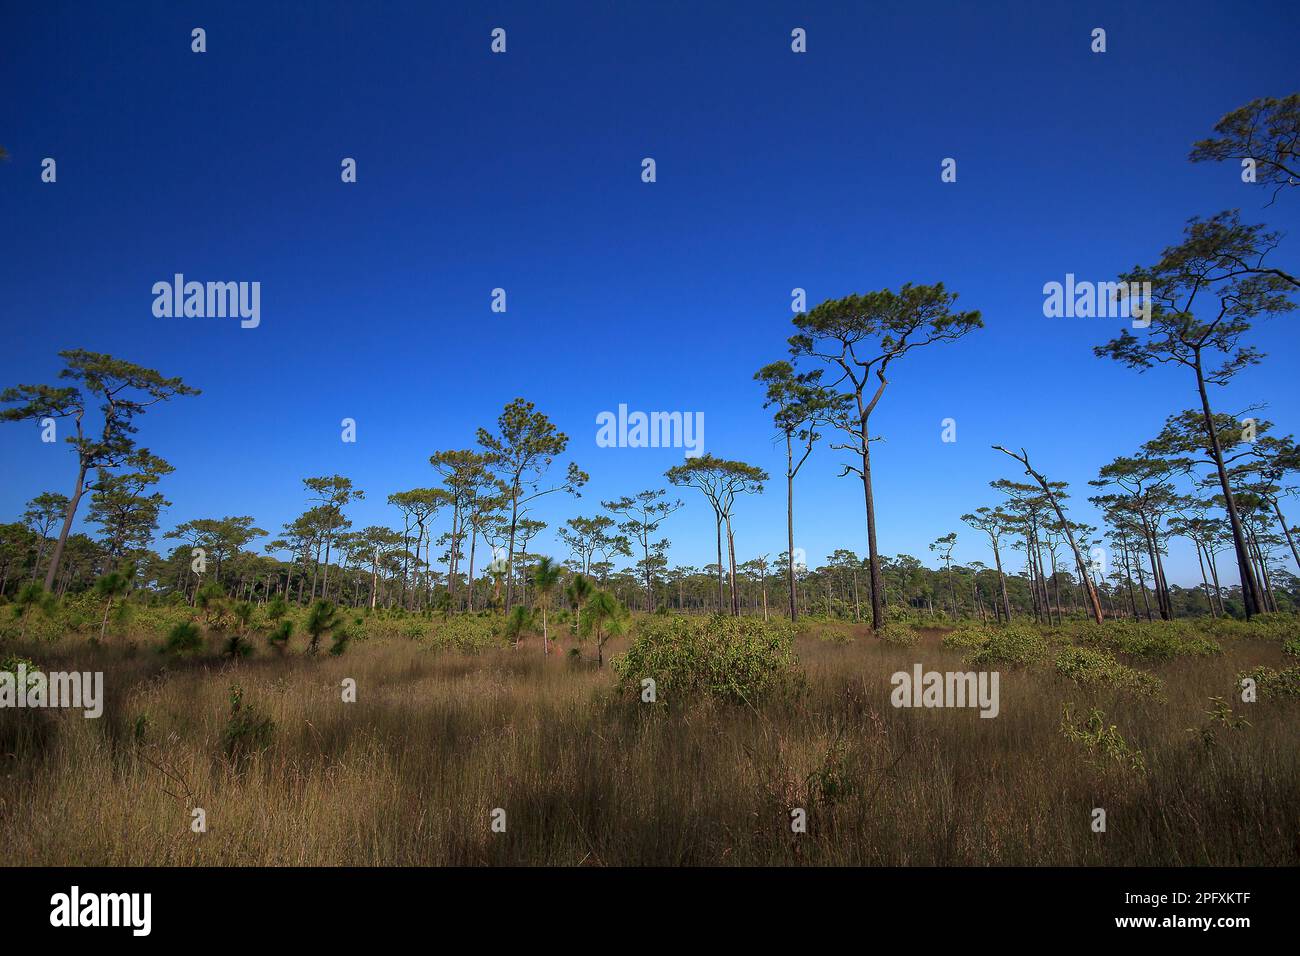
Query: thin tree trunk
(1249,587)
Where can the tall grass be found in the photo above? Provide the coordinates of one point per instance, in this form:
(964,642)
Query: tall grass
(444,732)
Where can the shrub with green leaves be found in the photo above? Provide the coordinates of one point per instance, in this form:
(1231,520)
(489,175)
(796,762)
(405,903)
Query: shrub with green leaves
(1153,640)
(825,628)
(1012,645)
(279,636)
(184,637)
(1274,684)
(966,636)
(247,729)
(12,662)
(1106,746)
(469,634)
(899,633)
(1092,668)
(733,659)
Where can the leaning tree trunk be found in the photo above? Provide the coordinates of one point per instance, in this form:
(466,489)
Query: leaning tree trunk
(1002,580)
(1286,531)
(1249,587)
(56,555)
(1069,535)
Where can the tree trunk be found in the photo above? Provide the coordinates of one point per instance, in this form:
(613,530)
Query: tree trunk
(1249,587)
(877,583)
(789,523)
(57,554)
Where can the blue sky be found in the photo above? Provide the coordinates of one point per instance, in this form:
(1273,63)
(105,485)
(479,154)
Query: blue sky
(522,171)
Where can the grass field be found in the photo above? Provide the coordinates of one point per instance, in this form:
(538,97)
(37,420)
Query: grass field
(588,774)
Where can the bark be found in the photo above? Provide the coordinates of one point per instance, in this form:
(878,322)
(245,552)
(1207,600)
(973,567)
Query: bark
(1249,587)
(57,554)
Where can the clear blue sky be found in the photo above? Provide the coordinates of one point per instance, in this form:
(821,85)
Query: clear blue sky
(775,170)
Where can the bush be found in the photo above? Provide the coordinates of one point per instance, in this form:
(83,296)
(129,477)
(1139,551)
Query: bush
(733,659)
(236,647)
(1273,684)
(897,632)
(1153,640)
(1098,669)
(184,637)
(279,637)
(469,634)
(825,628)
(966,636)
(247,729)
(1105,744)
(1014,645)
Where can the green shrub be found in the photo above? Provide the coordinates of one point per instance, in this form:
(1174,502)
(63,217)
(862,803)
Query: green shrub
(184,637)
(342,638)
(237,646)
(1106,746)
(12,662)
(1153,640)
(247,729)
(825,628)
(1273,684)
(899,633)
(469,633)
(733,659)
(279,636)
(966,636)
(1098,669)
(1012,645)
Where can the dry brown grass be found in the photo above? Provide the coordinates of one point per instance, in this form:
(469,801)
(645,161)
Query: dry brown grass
(411,772)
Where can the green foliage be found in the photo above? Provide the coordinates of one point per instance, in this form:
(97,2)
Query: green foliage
(279,636)
(1106,746)
(342,638)
(1153,640)
(243,613)
(896,632)
(966,636)
(835,779)
(1011,645)
(247,729)
(470,633)
(237,646)
(1092,668)
(211,600)
(733,659)
(30,599)
(1220,717)
(183,638)
(824,628)
(322,619)
(12,662)
(518,622)
(605,618)
(1274,684)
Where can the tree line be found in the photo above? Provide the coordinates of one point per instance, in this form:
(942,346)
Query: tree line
(1214,479)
